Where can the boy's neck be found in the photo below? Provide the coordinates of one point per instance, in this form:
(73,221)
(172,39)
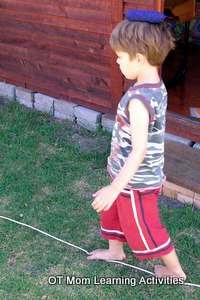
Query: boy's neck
(148,75)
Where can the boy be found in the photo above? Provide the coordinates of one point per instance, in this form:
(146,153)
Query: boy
(128,206)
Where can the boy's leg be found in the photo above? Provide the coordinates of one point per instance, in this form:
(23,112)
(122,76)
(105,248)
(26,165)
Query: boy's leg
(110,230)
(144,232)
(172,266)
(114,252)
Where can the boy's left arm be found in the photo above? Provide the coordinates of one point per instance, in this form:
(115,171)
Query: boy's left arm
(139,122)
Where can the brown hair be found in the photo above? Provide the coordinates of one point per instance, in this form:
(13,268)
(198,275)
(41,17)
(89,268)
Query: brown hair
(152,40)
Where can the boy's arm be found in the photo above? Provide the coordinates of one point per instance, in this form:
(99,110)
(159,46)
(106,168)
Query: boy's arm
(139,121)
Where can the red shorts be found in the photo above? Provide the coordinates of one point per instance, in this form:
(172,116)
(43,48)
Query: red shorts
(134,218)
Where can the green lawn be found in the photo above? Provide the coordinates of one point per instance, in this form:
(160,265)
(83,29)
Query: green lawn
(48,172)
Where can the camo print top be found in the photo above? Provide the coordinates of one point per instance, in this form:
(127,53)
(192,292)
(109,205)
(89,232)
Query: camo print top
(150,173)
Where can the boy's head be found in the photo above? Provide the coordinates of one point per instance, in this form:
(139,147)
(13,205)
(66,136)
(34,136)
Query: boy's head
(153,40)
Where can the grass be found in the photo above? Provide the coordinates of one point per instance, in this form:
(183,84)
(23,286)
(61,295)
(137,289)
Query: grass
(49,170)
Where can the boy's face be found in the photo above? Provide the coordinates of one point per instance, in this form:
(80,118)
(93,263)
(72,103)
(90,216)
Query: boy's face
(129,67)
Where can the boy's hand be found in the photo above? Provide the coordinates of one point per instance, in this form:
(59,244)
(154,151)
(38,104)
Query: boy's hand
(104,198)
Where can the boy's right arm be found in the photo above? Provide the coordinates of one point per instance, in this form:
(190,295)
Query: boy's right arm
(139,120)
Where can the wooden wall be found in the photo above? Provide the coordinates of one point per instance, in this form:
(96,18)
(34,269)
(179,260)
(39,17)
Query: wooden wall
(60,48)
(147,4)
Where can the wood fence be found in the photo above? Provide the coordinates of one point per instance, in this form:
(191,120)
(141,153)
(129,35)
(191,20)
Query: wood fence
(61,48)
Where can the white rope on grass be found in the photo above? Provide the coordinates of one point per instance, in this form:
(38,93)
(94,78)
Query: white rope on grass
(45,233)
(130,266)
(79,248)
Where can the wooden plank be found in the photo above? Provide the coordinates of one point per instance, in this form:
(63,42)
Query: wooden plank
(52,32)
(133,4)
(70,76)
(184,127)
(63,22)
(58,48)
(49,53)
(103,5)
(70,81)
(91,48)
(159,5)
(98,72)
(58,90)
(99,16)
(140,2)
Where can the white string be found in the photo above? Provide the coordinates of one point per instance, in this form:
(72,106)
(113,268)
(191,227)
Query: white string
(77,247)
(45,233)
(130,266)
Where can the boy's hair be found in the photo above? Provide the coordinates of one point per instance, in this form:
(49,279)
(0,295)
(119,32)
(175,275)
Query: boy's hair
(152,40)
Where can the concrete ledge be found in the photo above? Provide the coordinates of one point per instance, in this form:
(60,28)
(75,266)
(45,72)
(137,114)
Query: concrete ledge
(44,103)
(107,122)
(7,91)
(87,118)
(64,109)
(25,97)
(196,146)
(177,139)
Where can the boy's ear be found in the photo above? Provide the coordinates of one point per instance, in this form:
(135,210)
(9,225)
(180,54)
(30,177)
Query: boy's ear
(139,57)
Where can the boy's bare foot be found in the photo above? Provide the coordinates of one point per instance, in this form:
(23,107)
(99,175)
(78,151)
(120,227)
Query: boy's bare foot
(163,271)
(106,254)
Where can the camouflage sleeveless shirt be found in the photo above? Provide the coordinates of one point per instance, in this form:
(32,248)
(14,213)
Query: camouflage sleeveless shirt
(150,173)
